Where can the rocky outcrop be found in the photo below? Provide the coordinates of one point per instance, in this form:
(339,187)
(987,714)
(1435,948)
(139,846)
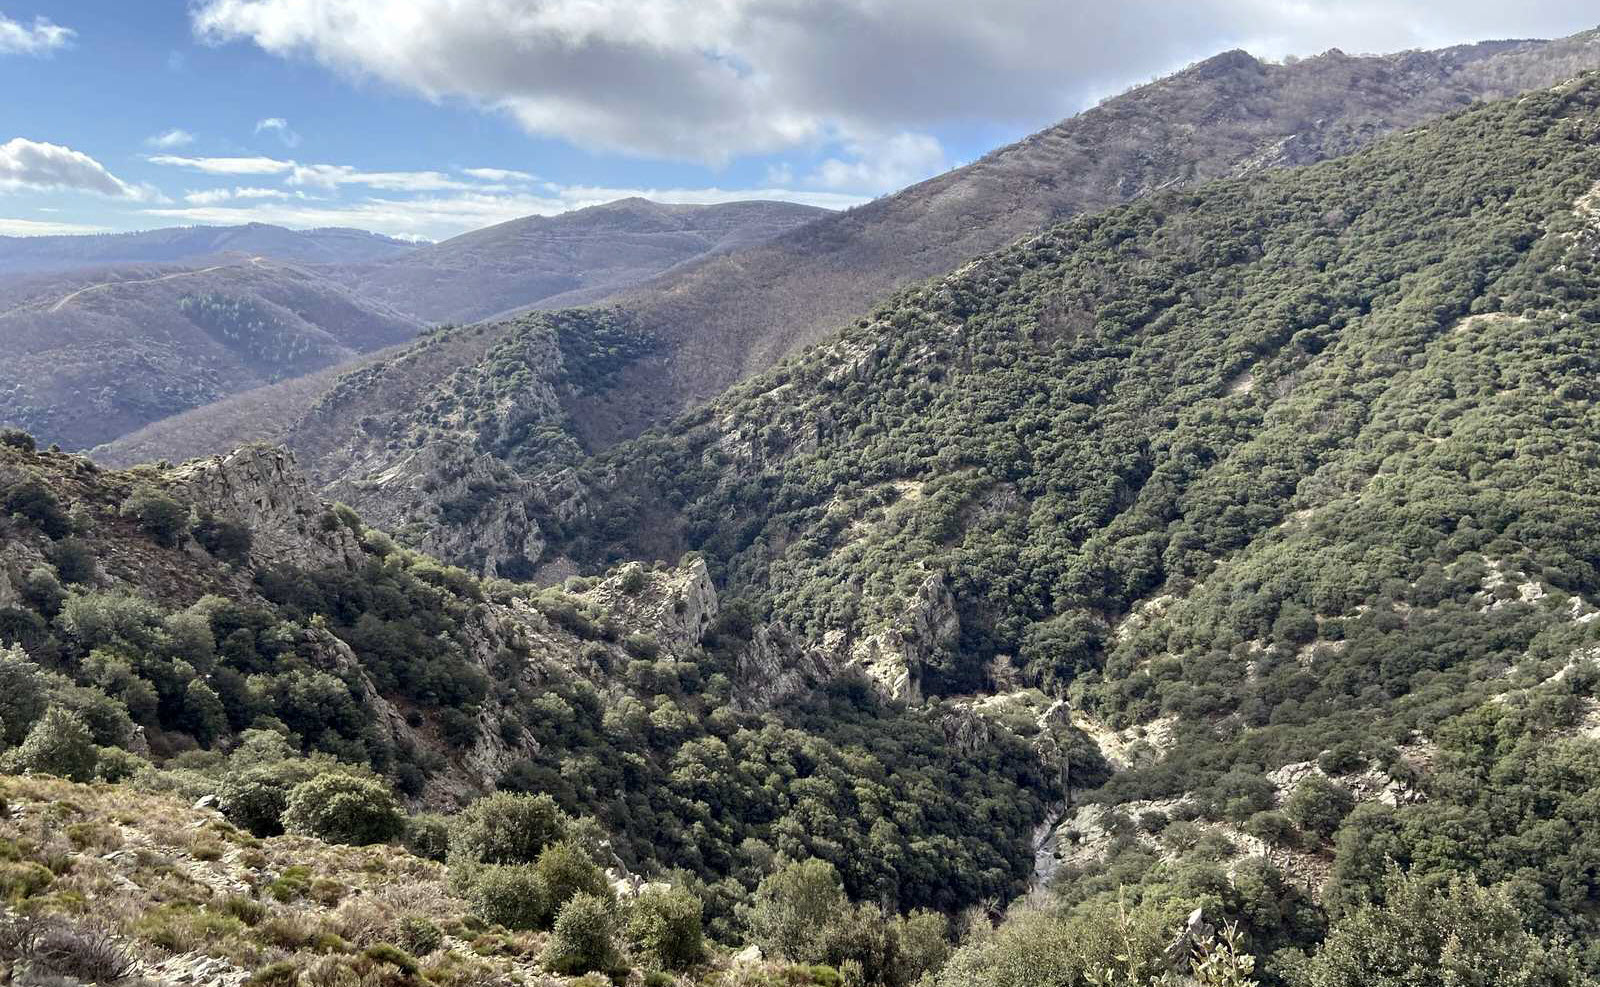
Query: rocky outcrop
(778,664)
(894,657)
(675,606)
(775,666)
(262,488)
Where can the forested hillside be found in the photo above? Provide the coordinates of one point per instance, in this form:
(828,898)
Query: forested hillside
(712,322)
(1287,472)
(1199,592)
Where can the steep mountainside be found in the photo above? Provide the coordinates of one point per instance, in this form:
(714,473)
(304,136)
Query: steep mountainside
(1233,114)
(194,244)
(569,259)
(1291,474)
(93,355)
(179,608)
(1221,569)
(721,319)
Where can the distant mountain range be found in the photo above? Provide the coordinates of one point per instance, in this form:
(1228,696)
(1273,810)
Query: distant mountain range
(571,259)
(732,313)
(110,333)
(195,245)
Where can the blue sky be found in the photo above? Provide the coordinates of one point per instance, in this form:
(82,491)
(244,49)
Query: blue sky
(431,117)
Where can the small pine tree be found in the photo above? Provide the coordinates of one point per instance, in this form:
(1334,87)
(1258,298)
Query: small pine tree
(59,744)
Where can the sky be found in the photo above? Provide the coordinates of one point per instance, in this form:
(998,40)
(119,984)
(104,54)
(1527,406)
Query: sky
(427,118)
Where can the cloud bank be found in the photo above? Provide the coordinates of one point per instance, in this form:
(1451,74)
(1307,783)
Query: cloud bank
(33,165)
(709,80)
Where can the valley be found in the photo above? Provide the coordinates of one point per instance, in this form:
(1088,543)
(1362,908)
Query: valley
(1164,551)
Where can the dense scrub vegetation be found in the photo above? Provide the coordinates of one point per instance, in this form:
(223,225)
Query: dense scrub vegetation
(1296,464)
(1285,477)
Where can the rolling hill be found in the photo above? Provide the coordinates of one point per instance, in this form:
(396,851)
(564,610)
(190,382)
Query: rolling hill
(263,319)
(195,245)
(568,259)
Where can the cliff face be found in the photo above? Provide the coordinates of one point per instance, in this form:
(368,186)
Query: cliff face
(263,488)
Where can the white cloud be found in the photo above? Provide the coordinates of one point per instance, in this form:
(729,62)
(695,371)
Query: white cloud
(227,166)
(33,165)
(214,196)
(41,38)
(499,175)
(883,165)
(173,138)
(34,227)
(332,176)
(711,79)
(440,217)
(279,126)
(325,176)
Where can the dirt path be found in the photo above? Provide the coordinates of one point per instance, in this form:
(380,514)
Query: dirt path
(58,306)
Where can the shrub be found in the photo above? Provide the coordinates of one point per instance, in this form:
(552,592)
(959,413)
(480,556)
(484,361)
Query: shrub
(665,925)
(393,955)
(256,798)
(247,910)
(73,560)
(280,974)
(23,695)
(59,744)
(419,936)
(505,828)
(583,937)
(1421,937)
(512,895)
(16,438)
(161,517)
(74,953)
(428,836)
(23,879)
(33,501)
(1342,758)
(567,870)
(794,906)
(340,808)
(226,540)
(1319,805)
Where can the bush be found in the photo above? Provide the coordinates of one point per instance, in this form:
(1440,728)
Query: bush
(512,895)
(59,744)
(226,540)
(33,501)
(16,438)
(567,870)
(255,799)
(428,836)
(161,517)
(393,955)
(1419,937)
(24,694)
(1319,805)
(73,953)
(793,908)
(340,808)
(665,926)
(73,560)
(505,828)
(583,937)
(115,764)
(418,936)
